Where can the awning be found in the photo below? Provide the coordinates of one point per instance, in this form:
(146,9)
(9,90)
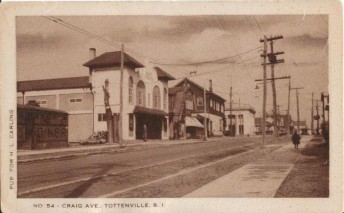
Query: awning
(190,121)
(144,110)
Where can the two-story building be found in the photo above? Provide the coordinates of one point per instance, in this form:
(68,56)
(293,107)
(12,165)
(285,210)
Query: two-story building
(240,119)
(187,113)
(145,95)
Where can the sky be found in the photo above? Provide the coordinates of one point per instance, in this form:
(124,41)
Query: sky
(46,49)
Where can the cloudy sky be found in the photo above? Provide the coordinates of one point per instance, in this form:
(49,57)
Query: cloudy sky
(46,49)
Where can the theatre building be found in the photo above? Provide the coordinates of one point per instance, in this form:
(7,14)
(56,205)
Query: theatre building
(145,97)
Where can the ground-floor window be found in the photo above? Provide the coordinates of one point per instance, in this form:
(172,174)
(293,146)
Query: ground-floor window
(241,129)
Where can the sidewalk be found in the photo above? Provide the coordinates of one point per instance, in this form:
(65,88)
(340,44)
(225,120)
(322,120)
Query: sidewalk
(77,150)
(259,179)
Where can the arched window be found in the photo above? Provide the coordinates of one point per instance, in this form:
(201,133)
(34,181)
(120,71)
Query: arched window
(165,99)
(131,84)
(156,98)
(140,94)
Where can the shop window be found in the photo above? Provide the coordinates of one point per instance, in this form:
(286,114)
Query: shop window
(165,124)
(131,122)
(131,84)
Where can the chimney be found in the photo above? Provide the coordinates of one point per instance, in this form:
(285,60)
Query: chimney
(92,53)
(210,85)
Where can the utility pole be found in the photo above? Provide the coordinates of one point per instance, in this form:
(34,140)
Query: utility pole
(298,111)
(120,128)
(312,115)
(279,78)
(230,113)
(264,91)
(318,117)
(288,118)
(273,61)
(205,112)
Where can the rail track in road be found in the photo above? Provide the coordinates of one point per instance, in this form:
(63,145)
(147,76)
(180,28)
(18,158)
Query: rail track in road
(116,183)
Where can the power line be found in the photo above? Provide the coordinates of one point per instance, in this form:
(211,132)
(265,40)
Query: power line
(210,61)
(99,38)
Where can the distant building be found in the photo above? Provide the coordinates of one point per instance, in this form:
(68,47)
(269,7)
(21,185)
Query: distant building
(303,127)
(240,119)
(187,111)
(259,126)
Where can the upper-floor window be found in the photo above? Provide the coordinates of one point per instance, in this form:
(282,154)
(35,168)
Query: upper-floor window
(141,93)
(156,97)
(75,100)
(211,103)
(189,104)
(199,101)
(101,117)
(165,99)
(131,84)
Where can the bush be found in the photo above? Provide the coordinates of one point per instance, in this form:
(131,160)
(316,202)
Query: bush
(96,138)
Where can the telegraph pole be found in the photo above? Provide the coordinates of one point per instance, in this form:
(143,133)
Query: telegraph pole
(120,122)
(318,117)
(273,61)
(230,112)
(312,115)
(264,91)
(205,112)
(279,78)
(298,111)
(288,119)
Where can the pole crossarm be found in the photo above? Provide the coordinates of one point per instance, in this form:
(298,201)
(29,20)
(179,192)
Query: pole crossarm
(272,54)
(272,38)
(283,77)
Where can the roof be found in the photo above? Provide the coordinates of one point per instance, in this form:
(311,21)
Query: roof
(163,75)
(200,87)
(37,108)
(144,110)
(242,107)
(113,59)
(52,84)
(258,122)
(174,90)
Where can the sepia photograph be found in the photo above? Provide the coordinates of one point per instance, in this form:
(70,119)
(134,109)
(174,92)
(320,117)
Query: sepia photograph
(168,107)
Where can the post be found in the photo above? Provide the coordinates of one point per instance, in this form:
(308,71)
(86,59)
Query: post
(323,110)
(312,115)
(274,93)
(120,122)
(288,119)
(318,118)
(298,112)
(23,97)
(264,92)
(230,113)
(205,111)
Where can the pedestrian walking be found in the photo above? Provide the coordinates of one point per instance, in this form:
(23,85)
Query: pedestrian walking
(144,133)
(296,139)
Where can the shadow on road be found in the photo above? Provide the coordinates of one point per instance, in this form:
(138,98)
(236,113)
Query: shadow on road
(86,185)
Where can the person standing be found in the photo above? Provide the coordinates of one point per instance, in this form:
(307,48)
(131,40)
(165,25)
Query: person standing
(144,133)
(296,139)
